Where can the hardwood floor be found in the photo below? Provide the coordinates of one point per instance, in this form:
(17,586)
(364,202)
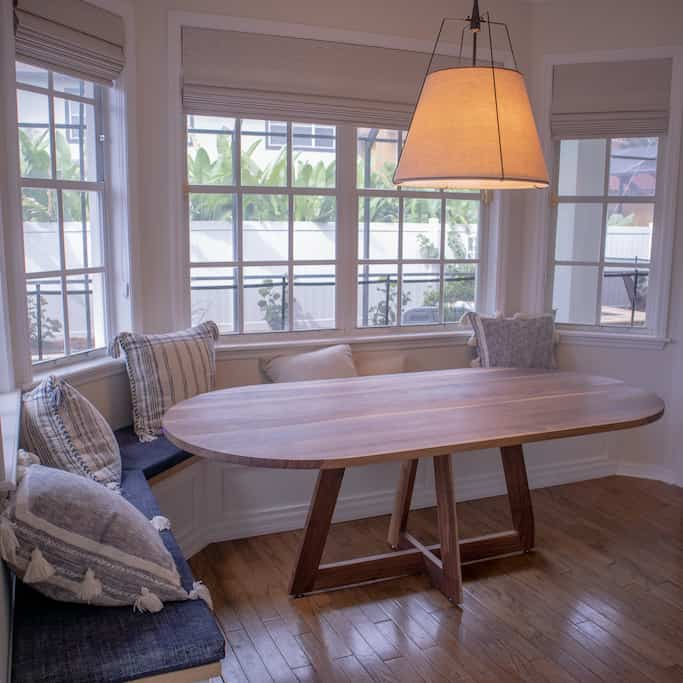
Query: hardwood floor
(601,599)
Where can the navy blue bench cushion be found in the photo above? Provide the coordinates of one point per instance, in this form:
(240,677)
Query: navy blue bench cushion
(152,457)
(54,642)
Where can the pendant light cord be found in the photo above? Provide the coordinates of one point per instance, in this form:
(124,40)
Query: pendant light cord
(424,80)
(495,98)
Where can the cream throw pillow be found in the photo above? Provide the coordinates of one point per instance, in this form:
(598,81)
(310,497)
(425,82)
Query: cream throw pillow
(332,362)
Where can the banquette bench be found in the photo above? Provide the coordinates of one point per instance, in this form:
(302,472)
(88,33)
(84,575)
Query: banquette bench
(56,642)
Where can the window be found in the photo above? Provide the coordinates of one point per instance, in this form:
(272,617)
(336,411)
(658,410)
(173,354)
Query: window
(265,250)
(604,226)
(418,251)
(263,226)
(62,192)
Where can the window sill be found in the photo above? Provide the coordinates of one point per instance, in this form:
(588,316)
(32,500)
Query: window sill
(82,372)
(103,367)
(384,342)
(614,340)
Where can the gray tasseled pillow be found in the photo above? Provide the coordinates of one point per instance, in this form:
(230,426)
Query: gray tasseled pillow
(76,541)
(66,431)
(518,342)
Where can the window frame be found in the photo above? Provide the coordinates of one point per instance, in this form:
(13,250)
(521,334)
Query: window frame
(237,190)
(652,326)
(443,196)
(346,261)
(100,101)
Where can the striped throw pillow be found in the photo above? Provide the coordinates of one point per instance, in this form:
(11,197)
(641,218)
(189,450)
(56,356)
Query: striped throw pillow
(66,431)
(76,541)
(164,369)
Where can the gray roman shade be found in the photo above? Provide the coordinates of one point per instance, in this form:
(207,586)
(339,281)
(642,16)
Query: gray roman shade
(611,98)
(70,36)
(267,76)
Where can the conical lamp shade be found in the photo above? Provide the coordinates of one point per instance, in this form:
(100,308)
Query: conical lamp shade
(471,131)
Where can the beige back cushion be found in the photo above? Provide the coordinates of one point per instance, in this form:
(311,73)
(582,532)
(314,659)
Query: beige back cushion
(332,362)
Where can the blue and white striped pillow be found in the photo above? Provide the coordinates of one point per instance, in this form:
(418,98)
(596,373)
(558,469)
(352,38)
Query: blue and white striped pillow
(66,431)
(164,369)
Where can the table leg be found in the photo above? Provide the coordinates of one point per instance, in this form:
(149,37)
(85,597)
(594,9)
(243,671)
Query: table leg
(450,580)
(315,532)
(442,561)
(518,495)
(404,495)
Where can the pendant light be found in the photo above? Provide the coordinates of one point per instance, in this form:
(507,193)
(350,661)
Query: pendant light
(473,127)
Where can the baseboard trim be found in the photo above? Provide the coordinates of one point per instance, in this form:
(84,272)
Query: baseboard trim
(275,519)
(647,471)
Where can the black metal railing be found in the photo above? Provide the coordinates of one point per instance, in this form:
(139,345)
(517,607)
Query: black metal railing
(636,285)
(385,280)
(46,288)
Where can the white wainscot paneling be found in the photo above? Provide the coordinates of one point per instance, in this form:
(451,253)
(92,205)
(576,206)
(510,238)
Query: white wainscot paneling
(181,498)
(210,502)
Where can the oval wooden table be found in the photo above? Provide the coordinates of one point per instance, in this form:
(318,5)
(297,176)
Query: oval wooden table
(330,425)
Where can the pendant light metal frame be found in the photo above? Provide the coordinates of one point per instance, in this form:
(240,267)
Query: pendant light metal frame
(473,23)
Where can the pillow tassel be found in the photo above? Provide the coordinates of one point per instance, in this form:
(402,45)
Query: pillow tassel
(24,461)
(147,602)
(161,523)
(39,569)
(147,438)
(201,592)
(8,541)
(90,588)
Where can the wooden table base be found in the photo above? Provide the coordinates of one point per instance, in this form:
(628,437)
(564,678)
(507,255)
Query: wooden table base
(441,561)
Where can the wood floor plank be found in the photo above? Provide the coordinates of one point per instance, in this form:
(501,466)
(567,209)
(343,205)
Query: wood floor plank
(326,668)
(230,667)
(600,599)
(305,674)
(248,658)
(354,669)
(286,643)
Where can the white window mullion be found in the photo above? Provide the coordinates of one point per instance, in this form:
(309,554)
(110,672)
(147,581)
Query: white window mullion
(238,227)
(603,234)
(601,265)
(442,264)
(62,276)
(290,228)
(347,231)
(399,269)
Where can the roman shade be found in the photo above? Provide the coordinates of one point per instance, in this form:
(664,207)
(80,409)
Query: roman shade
(267,76)
(72,37)
(611,98)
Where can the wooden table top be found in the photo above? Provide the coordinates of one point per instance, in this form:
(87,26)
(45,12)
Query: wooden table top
(345,422)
